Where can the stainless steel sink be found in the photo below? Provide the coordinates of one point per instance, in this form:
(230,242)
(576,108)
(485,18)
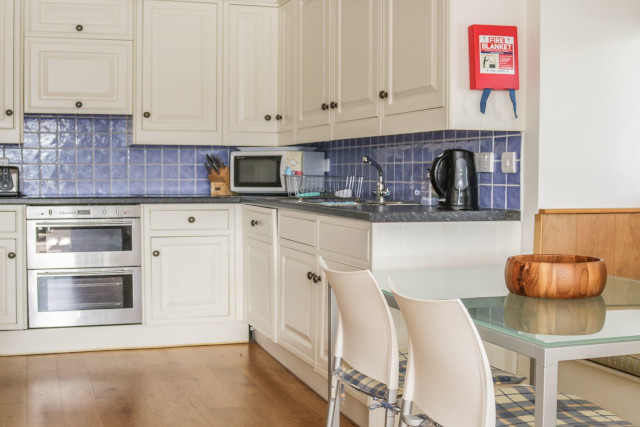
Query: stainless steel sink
(347,203)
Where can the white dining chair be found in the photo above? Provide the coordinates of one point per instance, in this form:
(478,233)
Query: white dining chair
(366,351)
(448,376)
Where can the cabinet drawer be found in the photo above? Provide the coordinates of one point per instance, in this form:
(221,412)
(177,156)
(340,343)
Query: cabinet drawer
(298,230)
(352,241)
(80,18)
(189,220)
(258,221)
(7,222)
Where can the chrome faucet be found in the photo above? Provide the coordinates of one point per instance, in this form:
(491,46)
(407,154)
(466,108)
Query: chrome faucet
(380,191)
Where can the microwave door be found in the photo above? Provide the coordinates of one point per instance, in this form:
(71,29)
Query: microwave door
(258,174)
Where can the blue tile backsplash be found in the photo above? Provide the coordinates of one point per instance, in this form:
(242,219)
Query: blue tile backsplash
(80,155)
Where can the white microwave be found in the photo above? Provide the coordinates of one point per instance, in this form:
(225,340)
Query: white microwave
(262,171)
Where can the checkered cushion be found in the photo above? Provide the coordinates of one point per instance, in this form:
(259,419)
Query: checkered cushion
(368,385)
(503,377)
(515,406)
(629,363)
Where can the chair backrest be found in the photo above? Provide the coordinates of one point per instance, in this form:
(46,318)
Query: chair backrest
(366,336)
(448,373)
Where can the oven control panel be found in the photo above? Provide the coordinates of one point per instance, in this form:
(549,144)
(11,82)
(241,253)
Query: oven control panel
(120,211)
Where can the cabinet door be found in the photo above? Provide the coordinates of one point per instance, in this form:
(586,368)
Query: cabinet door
(259,268)
(112,19)
(252,55)
(78,76)
(179,77)
(8,284)
(286,67)
(414,55)
(189,277)
(357,60)
(298,297)
(8,111)
(313,72)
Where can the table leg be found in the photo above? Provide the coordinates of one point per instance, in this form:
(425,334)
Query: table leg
(546,394)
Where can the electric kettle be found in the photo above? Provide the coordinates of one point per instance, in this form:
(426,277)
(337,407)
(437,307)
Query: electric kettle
(453,176)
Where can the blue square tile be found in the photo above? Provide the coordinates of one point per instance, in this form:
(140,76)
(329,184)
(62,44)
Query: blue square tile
(48,140)
(153,156)
(187,187)
(85,171)
(486,133)
(66,156)
(31,124)
(484,196)
(498,176)
(119,125)
(499,199)
(136,187)
(499,146)
(102,188)
(118,140)
(201,172)
(84,125)
(136,156)
(66,124)
(136,172)
(169,172)
(513,198)
(153,186)
(84,156)
(101,125)
(187,155)
(119,172)
(203,188)
(102,155)
(67,172)
(102,172)
(84,140)
(101,140)
(48,124)
(30,172)
(473,134)
(49,187)
(67,140)
(119,187)
(84,188)
(48,156)
(31,140)
(170,187)
(119,157)
(486,145)
(485,178)
(68,188)
(170,156)
(514,144)
(14,155)
(31,188)
(154,172)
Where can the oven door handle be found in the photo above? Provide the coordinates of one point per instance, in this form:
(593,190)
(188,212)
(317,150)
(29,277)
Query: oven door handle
(82,223)
(83,272)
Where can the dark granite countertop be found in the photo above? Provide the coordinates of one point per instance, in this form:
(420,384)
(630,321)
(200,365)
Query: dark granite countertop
(365,212)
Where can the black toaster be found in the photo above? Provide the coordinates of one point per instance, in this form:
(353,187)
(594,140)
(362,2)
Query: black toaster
(9,181)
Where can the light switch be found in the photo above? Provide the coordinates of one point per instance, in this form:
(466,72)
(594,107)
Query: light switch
(484,162)
(508,162)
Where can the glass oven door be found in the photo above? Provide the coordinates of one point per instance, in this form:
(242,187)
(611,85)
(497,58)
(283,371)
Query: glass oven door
(83,243)
(105,296)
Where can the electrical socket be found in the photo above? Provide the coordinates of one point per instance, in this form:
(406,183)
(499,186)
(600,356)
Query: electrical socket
(508,162)
(484,162)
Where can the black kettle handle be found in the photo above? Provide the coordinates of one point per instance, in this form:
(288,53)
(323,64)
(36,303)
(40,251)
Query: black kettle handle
(436,174)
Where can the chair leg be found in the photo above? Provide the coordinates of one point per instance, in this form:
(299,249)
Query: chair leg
(391,414)
(333,414)
(406,410)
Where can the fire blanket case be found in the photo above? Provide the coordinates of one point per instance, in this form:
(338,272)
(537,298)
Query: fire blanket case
(493,61)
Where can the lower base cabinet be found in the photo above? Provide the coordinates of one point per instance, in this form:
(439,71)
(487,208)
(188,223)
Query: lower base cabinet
(8,282)
(190,277)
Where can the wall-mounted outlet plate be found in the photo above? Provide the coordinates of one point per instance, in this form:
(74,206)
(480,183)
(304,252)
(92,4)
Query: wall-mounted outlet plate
(484,162)
(508,161)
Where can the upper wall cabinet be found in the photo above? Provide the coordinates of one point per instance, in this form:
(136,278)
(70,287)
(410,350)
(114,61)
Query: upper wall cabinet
(105,19)
(287,43)
(179,78)
(79,56)
(10,77)
(251,81)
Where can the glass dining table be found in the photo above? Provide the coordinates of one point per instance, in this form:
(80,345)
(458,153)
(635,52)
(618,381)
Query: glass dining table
(546,330)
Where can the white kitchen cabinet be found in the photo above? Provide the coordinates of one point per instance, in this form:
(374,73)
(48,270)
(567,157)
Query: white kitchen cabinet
(189,259)
(11,74)
(251,60)
(78,76)
(12,269)
(98,19)
(179,74)
(287,43)
(260,266)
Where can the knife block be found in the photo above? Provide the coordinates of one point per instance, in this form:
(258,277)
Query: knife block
(220,183)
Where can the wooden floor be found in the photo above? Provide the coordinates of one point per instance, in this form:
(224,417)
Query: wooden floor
(227,385)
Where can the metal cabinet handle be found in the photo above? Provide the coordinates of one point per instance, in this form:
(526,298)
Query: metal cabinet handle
(78,104)
(191,219)
(310,275)
(254,222)
(383,94)
(267,117)
(146,114)
(316,278)
(334,105)
(11,255)
(79,28)
(156,253)
(324,107)
(278,117)
(9,112)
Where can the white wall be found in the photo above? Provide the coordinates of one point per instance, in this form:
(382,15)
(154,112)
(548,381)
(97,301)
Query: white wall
(589,130)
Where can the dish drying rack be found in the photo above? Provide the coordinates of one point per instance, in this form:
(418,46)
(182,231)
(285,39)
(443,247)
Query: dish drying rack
(324,186)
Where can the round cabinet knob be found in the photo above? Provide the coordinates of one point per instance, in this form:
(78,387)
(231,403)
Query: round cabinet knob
(254,222)
(316,278)
(310,275)
(383,94)
(79,28)
(11,255)
(78,104)
(156,253)
(191,219)
(267,117)
(324,107)
(334,105)
(9,112)
(278,117)
(146,114)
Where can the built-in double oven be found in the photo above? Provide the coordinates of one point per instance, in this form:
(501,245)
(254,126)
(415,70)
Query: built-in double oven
(83,265)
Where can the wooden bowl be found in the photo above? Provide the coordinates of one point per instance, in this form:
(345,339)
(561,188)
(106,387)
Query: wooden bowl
(555,316)
(555,276)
